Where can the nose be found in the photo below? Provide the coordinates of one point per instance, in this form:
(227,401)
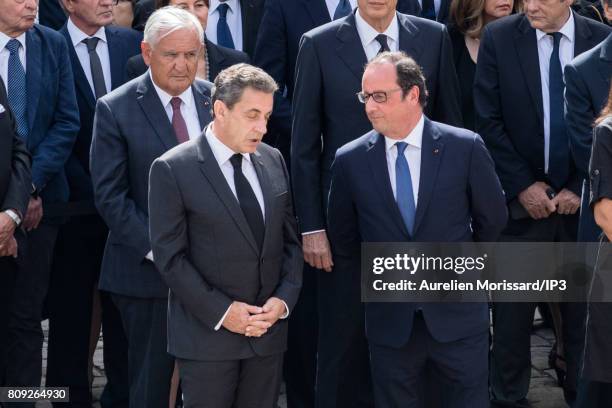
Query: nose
(261,126)
(371,105)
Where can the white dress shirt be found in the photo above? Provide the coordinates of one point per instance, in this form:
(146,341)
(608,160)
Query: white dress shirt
(188,108)
(367,35)
(223,154)
(234,21)
(566,54)
(437,4)
(333,4)
(413,157)
(5,54)
(77,36)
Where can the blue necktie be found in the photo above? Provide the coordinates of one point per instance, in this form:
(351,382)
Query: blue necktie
(428,10)
(403,187)
(224,35)
(343,9)
(16,88)
(558,158)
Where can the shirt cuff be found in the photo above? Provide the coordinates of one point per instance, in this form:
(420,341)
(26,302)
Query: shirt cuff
(312,232)
(14,215)
(149,256)
(286,315)
(218,326)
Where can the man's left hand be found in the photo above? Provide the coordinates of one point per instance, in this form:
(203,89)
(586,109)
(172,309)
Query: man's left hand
(273,309)
(567,202)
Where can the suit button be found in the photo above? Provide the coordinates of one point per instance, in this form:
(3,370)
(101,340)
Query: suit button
(596,172)
(261,261)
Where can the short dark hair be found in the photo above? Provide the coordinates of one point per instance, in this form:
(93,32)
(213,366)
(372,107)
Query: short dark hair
(409,73)
(231,83)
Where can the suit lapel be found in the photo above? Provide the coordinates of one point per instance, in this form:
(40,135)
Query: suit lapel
(377,159)
(408,34)
(605,61)
(212,172)
(215,59)
(432,148)
(115,53)
(154,111)
(350,48)
(266,189)
(203,104)
(80,79)
(34,79)
(318,11)
(527,49)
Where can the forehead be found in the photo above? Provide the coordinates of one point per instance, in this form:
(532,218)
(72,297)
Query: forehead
(253,99)
(379,76)
(179,39)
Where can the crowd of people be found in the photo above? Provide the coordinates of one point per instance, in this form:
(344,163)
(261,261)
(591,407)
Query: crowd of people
(137,198)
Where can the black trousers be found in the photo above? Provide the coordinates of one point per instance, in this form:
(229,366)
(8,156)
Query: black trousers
(249,383)
(150,367)
(300,360)
(8,274)
(460,369)
(24,334)
(74,279)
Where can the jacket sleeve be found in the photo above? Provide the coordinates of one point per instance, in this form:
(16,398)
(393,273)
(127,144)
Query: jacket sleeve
(447,108)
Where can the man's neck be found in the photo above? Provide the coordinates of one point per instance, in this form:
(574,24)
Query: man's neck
(561,24)
(379,25)
(86,28)
(406,130)
(10,33)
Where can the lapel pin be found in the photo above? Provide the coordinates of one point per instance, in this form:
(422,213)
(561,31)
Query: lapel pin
(436,151)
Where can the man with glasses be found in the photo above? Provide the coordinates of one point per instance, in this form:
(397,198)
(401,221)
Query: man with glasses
(407,164)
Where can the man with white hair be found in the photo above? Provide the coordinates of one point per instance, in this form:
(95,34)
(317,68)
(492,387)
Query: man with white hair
(135,124)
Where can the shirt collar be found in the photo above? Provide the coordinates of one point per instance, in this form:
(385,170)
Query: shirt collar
(4,39)
(232,4)
(368,34)
(567,30)
(77,36)
(221,152)
(165,97)
(414,138)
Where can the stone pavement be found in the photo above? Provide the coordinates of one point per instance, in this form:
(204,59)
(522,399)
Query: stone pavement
(543,393)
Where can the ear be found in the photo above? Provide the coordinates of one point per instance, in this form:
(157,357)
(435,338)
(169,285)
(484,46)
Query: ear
(414,94)
(67,5)
(220,110)
(146,49)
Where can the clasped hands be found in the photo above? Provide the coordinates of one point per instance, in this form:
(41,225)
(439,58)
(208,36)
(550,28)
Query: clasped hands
(253,321)
(539,205)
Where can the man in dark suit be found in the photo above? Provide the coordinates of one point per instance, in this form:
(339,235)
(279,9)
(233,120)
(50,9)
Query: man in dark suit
(142,10)
(51,14)
(98,53)
(135,124)
(519,114)
(436,10)
(35,67)
(15,182)
(587,81)
(326,116)
(392,185)
(235,23)
(222,202)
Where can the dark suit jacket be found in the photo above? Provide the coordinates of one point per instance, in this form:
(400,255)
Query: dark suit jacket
(443,13)
(587,82)
(508,98)
(15,177)
(282,26)
(53,113)
(51,14)
(207,255)
(219,58)
(131,130)
(329,70)
(142,10)
(122,44)
(460,200)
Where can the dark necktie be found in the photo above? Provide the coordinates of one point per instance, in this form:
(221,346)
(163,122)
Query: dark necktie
(97,75)
(343,9)
(429,10)
(403,187)
(558,157)
(248,201)
(178,122)
(224,35)
(382,40)
(16,88)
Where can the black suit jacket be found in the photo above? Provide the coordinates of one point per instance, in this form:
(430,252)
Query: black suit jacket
(206,253)
(219,58)
(329,69)
(282,26)
(508,98)
(142,10)
(131,129)
(122,44)
(15,177)
(51,14)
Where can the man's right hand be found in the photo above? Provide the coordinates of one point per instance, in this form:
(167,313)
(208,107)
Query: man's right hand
(536,201)
(33,214)
(9,248)
(317,252)
(237,319)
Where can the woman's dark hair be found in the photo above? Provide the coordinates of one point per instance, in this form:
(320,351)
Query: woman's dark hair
(607,110)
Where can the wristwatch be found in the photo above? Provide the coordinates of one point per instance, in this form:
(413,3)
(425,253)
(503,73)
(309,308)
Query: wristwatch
(14,216)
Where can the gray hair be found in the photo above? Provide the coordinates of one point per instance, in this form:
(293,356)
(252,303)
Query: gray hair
(168,19)
(231,83)
(409,73)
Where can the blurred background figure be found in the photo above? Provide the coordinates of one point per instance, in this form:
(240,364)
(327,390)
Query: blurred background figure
(123,13)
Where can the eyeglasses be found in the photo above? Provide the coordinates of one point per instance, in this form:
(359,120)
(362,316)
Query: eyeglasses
(378,96)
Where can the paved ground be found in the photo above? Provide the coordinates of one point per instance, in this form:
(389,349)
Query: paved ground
(544,392)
